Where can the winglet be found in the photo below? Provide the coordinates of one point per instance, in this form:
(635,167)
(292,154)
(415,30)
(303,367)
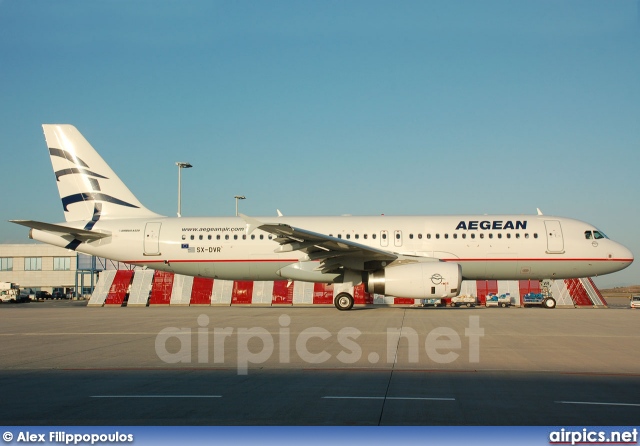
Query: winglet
(539,211)
(251,223)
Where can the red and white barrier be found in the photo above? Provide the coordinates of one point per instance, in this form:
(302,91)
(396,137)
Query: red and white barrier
(148,287)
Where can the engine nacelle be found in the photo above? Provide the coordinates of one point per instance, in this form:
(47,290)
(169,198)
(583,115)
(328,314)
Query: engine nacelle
(417,280)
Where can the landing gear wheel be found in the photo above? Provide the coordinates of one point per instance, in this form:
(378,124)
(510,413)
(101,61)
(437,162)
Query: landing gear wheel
(550,303)
(343,301)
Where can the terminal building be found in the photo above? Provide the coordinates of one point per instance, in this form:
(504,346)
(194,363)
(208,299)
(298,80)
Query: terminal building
(36,267)
(39,267)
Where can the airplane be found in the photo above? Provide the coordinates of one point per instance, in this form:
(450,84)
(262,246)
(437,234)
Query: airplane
(416,257)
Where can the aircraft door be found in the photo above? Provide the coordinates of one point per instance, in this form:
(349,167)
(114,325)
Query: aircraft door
(555,242)
(152,239)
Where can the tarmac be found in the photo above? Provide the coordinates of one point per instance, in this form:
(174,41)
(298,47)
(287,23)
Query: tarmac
(62,363)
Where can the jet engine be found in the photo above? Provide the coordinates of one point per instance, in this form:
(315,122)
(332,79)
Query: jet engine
(417,280)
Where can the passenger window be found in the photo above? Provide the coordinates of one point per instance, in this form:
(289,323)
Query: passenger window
(270,237)
(201,237)
(357,236)
(261,236)
(184,237)
(526,235)
(481,235)
(397,236)
(420,236)
(473,236)
(464,235)
(373,236)
(490,235)
(218,237)
(364,236)
(508,235)
(499,235)
(428,235)
(535,235)
(235,236)
(226,237)
(244,236)
(455,236)
(339,235)
(446,236)
(193,237)
(384,236)
(410,236)
(348,236)
(518,235)
(437,235)
(253,236)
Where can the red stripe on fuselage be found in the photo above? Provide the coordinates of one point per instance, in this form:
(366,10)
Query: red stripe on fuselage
(214,261)
(537,260)
(514,259)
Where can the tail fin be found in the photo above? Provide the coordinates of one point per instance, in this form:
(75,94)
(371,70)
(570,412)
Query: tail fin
(88,188)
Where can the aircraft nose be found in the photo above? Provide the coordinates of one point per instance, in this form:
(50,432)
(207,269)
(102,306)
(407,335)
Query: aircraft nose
(624,254)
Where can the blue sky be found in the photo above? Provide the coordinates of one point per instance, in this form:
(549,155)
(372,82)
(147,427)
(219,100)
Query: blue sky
(333,107)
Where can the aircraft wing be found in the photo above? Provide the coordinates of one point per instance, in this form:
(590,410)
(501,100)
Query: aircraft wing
(332,252)
(80,234)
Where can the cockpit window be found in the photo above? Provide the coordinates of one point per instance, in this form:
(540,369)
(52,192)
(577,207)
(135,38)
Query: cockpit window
(595,234)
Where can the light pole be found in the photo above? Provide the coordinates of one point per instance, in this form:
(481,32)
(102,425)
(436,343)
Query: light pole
(238,197)
(180,167)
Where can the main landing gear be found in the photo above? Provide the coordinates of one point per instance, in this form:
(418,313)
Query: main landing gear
(343,301)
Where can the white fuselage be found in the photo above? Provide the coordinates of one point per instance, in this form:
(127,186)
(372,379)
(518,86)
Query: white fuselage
(504,247)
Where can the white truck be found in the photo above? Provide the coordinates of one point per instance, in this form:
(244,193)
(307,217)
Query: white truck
(431,303)
(9,292)
(464,299)
(502,300)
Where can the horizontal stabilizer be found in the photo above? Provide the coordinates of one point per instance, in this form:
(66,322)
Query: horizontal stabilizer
(80,234)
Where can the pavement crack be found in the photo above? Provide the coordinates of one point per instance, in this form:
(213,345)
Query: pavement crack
(393,366)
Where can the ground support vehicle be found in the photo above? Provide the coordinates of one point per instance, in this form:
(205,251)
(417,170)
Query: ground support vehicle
(538,300)
(432,303)
(10,293)
(502,300)
(466,300)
